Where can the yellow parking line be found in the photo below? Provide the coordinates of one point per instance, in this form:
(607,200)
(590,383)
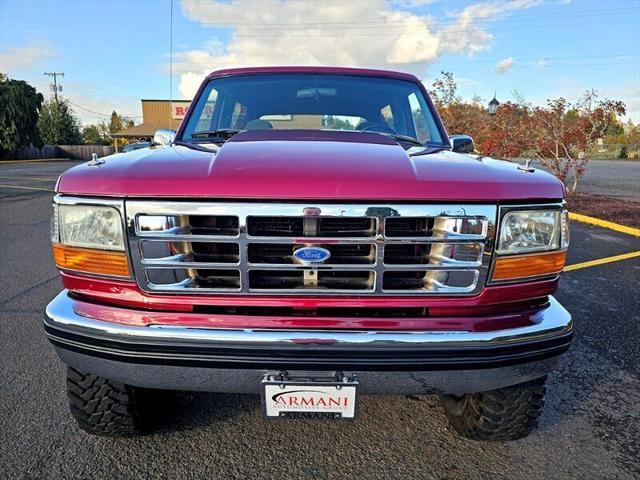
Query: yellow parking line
(602,261)
(26,188)
(603,223)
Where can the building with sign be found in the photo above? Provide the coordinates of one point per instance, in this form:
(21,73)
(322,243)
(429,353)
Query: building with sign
(156,114)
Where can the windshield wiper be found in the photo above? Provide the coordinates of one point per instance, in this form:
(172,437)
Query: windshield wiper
(396,136)
(404,138)
(221,134)
(427,149)
(195,146)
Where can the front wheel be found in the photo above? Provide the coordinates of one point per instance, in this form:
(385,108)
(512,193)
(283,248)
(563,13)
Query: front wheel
(508,413)
(103,407)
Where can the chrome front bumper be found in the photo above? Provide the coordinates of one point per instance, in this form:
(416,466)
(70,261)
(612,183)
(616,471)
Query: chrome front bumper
(236,360)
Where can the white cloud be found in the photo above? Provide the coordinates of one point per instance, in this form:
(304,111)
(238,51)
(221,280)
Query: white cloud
(189,83)
(375,33)
(504,65)
(21,58)
(468,35)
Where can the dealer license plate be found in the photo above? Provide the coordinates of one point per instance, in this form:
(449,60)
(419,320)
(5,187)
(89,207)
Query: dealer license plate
(293,398)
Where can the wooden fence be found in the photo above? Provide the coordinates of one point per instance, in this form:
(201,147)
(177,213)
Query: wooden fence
(83,152)
(76,152)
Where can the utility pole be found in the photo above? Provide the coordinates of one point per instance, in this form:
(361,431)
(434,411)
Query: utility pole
(171,64)
(55,76)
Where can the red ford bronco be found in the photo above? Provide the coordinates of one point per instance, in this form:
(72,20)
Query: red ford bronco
(309,235)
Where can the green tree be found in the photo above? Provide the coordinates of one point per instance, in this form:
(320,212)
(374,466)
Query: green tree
(96,134)
(19,107)
(615,127)
(623,152)
(117,123)
(58,125)
(100,133)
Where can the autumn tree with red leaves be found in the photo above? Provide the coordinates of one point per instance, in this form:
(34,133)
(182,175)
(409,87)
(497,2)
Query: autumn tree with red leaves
(506,134)
(562,133)
(559,134)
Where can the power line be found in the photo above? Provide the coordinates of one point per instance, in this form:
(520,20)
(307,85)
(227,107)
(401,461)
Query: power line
(544,59)
(552,65)
(369,24)
(101,114)
(443,20)
(55,76)
(387,32)
(422,33)
(88,110)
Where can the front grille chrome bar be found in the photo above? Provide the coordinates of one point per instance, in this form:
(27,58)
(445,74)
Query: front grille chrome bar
(173,248)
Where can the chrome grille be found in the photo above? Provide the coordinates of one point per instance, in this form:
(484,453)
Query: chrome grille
(248,248)
(306,226)
(279,253)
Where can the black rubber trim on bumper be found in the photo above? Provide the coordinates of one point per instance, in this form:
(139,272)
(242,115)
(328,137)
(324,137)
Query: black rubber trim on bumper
(315,357)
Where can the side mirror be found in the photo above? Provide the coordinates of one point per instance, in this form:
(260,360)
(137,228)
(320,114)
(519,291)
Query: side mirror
(164,137)
(462,143)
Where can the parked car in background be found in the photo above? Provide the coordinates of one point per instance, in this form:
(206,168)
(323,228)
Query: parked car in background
(310,235)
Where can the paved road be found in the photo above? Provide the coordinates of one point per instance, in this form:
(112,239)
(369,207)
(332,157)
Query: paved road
(616,178)
(589,428)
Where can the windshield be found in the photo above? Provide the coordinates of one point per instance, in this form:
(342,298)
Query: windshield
(313,102)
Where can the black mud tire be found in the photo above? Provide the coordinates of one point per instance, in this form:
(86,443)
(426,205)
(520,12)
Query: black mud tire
(508,413)
(104,407)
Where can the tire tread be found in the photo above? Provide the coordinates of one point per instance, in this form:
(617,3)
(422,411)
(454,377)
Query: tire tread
(101,406)
(508,413)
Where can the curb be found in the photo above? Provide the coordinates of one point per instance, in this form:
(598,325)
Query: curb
(605,224)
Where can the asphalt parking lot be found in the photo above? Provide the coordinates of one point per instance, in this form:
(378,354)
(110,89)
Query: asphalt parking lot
(590,427)
(616,178)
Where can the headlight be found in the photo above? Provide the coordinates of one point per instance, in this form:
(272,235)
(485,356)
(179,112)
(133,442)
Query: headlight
(90,226)
(532,243)
(532,231)
(89,239)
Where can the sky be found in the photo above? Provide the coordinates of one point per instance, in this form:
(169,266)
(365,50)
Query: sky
(114,53)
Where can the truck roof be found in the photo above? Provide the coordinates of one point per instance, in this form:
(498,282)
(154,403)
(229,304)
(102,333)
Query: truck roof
(317,69)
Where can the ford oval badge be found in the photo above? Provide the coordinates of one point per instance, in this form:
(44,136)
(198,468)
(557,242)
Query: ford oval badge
(309,255)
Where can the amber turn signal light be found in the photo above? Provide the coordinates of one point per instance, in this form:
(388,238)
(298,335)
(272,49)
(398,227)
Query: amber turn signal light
(91,261)
(530,265)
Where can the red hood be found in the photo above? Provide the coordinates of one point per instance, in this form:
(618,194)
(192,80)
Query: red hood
(320,165)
